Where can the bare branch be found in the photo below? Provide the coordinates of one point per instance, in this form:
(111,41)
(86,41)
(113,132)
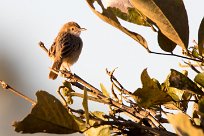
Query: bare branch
(41,44)
(6,86)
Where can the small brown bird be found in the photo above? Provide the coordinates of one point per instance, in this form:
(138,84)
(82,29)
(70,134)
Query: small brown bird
(66,48)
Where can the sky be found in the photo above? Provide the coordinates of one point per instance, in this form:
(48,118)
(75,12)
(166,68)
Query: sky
(25,66)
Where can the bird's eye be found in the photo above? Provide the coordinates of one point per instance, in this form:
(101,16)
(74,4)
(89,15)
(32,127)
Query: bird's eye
(72,28)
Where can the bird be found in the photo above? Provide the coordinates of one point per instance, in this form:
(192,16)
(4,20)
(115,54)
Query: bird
(66,48)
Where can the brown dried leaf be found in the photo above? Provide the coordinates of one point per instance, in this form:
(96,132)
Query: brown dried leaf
(49,116)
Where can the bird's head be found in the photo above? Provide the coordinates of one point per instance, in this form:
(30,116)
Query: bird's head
(72,28)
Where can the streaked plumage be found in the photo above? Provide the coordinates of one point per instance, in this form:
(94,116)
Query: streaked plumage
(66,48)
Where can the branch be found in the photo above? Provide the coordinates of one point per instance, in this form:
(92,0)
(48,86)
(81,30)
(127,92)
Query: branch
(89,97)
(80,83)
(41,44)
(192,67)
(175,55)
(134,127)
(117,84)
(6,86)
(124,108)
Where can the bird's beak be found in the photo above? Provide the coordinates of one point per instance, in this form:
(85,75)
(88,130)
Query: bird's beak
(83,29)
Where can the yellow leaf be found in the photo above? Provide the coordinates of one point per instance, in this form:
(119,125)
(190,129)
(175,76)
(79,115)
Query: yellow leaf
(183,126)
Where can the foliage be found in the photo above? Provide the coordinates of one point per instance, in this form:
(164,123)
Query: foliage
(144,111)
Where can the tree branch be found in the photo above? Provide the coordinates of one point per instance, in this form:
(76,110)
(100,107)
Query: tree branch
(77,81)
(6,86)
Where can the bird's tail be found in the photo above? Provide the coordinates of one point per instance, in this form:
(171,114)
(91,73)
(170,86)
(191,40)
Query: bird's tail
(55,66)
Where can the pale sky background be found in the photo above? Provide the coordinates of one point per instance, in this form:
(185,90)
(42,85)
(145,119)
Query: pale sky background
(24,65)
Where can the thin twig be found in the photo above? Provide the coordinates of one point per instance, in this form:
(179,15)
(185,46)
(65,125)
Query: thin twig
(175,55)
(76,78)
(110,101)
(41,44)
(192,67)
(59,92)
(89,97)
(129,110)
(115,97)
(6,86)
(112,78)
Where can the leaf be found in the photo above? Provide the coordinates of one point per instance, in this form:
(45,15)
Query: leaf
(103,130)
(85,105)
(172,106)
(108,16)
(186,97)
(165,43)
(124,10)
(181,97)
(150,94)
(99,115)
(201,107)
(201,38)
(183,126)
(176,94)
(199,78)
(49,116)
(132,16)
(169,15)
(67,89)
(195,53)
(104,91)
(182,82)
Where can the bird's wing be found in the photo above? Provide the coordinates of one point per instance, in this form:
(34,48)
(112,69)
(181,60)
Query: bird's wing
(52,50)
(69,44)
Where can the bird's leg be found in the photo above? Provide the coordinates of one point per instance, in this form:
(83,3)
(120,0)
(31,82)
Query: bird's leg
(66,69)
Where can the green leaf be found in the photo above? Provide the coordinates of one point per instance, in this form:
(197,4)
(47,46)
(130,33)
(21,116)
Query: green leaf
(150,94)
(165,43)
(66,90)
(133,16)
(104,91)
(182,82)
(199,78)
(181,97)
(169,15)
(195,53)
(183,126)
(68,86)
(178,96)
(201,107)
(49,116)
(175,93)
(201,38)
(108,16)
(85,105)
